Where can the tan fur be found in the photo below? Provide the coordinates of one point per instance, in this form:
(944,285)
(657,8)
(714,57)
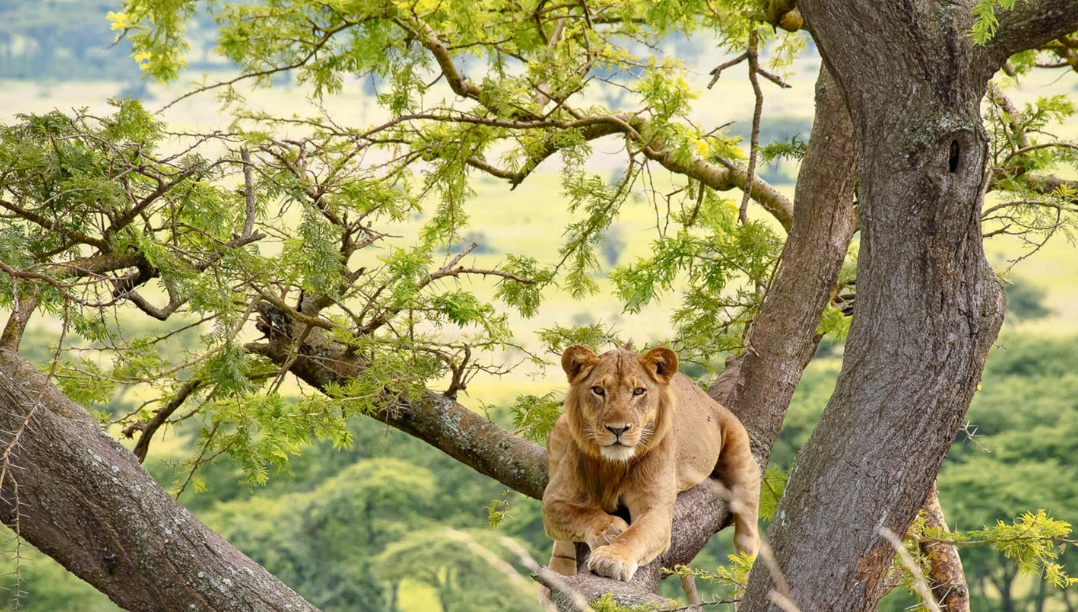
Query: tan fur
(676,437)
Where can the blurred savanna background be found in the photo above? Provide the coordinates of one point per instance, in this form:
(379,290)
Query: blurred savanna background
(378,521)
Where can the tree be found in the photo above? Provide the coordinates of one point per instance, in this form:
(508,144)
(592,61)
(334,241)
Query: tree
(99,219)
(925,293)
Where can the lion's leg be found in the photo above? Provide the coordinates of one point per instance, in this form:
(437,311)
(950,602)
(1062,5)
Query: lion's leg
(574,522)
(563,558)
(738,472)
(648,536)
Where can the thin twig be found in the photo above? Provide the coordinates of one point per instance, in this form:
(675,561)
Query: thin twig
(754,139)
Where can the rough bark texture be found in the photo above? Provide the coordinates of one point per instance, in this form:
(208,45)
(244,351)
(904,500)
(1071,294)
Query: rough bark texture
(784,337)
(85,501)
(928,306)
(945,576)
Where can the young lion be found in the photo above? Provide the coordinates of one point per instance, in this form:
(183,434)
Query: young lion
(634,434)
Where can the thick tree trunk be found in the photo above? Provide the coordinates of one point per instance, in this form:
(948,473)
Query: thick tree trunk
(928,305)
(81,498)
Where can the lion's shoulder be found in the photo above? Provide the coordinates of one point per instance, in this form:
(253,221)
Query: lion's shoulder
(697,430)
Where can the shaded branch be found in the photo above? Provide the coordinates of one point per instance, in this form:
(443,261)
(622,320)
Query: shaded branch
(163,187)
(1031,24)
(37,219)
(162,415)
(946,577)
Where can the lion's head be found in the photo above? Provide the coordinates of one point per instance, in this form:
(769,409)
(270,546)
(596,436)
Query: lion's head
(619,404)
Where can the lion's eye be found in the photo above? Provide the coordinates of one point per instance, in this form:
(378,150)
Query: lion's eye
(598,391)
(639,391)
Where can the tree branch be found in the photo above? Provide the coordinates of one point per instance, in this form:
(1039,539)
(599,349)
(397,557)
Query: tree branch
(1031,24)
(722,178)
(441,422)
(162,415)
(783,338)
(85,501)
(945,575)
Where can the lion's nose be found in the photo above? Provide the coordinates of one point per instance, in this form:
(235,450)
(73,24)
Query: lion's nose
(617,431)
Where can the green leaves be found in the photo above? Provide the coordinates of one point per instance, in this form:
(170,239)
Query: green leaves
(262,432)
(985,20)
(156,29)
(1032,203)
(724,271)
(534,415)
(774,484)
(732,578)
(315,255)
(525,297)
(1031,541)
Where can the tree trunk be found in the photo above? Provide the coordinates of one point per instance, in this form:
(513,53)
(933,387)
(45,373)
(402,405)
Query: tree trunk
(81,498)
(1006,599)
(928,305)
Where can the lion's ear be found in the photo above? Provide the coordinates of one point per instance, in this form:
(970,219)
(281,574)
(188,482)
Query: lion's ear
(662,362)
(575,360)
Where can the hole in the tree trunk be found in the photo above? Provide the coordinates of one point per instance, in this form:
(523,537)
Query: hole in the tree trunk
(952,164)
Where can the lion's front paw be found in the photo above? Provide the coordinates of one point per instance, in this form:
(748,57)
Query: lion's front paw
(606,535)
(612,563)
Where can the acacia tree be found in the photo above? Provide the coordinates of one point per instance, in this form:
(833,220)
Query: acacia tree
(298,273)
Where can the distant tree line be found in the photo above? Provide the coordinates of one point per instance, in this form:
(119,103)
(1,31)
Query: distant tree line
(67,40)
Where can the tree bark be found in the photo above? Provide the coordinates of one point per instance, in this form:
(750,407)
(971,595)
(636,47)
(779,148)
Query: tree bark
(73,492)
(475,441)
(785,337)
(945,575)
(928,305)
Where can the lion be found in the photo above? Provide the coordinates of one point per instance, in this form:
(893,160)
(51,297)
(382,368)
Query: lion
(634,433)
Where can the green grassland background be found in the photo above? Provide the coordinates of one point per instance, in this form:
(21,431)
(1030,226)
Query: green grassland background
(393,524)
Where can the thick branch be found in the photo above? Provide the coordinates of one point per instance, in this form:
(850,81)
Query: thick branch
(441,422)
(21,311)
(722,178)
(784,336)
(1031,24)
(86,502)
(759,387)
(1044,185)
(714,176)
